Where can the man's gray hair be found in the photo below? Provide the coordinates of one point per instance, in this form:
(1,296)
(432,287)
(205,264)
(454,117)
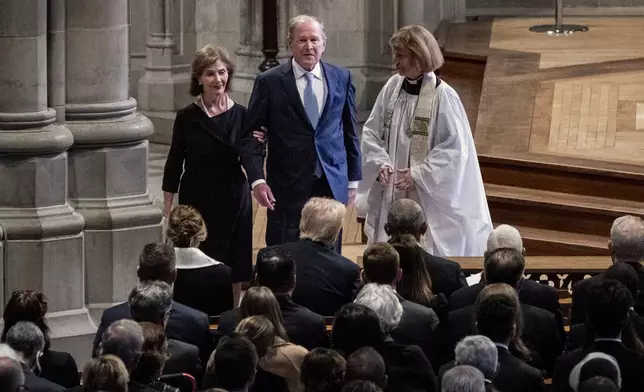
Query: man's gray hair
(504,236)
(124,339)
(322,220)
(627,239)
(463,378)
(383,300)
(26,338)
(478,351)
(296,21)
(11,374)
(405,216)
(150,301)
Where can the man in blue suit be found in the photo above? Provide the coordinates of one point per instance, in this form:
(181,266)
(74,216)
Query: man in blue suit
(307,108)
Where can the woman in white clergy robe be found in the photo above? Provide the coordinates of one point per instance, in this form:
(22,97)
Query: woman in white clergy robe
(417,144)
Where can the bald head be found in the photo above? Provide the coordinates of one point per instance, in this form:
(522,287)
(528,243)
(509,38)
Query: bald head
(11,375)
(627,239)
(406,217)
(505,236)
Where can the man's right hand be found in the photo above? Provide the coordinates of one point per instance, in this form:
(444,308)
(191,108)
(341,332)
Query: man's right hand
(264,196)
(385,174)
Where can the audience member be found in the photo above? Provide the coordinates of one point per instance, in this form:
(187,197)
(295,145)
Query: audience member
(609,304)
(202,283)
(595,364)
(28,342)
(323,371)
(326,280)
(505,236)
(357,326)
(275,269)
(11,375)
(361,386)
(157,262)
(154,355)
(540,327)
(151,302)
(260,301)
(418,324)
(626,245)
(407,217)
(366,364)
(105,374)
(598,384)
(233,364)
(55,366)
(477,351)
(463,379)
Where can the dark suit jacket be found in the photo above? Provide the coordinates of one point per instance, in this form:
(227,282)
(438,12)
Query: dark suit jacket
(207,289)
(326,280)
(408,370)
(184,358)
(540,333)
(59,368)
(418,326)
(631,365)
(446,275)
(303,327)
(185,324)
(512,374)
(39,384)
(294,146)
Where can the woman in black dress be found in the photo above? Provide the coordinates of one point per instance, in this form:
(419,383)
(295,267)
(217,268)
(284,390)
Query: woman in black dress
(203,165)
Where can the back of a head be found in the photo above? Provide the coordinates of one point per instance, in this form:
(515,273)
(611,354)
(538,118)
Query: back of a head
(105,374)
(381,263)
(259,330)
(157,262)
(27,339)
(321,220)
(275,269)
(235,361)
(123,339)
(463,378)
(594,364)
(497,312)
(355,326)
(153,353)
(11,374)
(626,275)
(361,386)
(382,299)
(504,265)
(405,216)
(415,284)
(627,239)
(478,351)
(598,384)
(185,227)
(323,370)
(260,301)
(150,301)
(26,305)
(504,236)
(609,304)
(366,364)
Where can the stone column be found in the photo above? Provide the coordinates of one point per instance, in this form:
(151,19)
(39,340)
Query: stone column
(170,48)
(108,162)
(41,234)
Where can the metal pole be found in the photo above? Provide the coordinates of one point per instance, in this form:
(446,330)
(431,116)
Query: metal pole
(558,28)
(559,14)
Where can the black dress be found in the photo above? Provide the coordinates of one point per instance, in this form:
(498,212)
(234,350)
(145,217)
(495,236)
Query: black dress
(203,166)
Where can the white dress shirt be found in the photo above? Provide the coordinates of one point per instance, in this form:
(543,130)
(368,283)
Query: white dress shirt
(320,91)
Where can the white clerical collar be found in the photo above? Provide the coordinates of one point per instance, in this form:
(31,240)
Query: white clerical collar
(191,258)
(298,71)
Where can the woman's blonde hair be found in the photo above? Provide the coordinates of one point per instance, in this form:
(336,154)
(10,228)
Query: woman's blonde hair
(105,373)
(422,47)
(259,330)
(185,227)
(204,58)
(260,301)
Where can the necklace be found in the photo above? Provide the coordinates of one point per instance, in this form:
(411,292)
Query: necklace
(208,112)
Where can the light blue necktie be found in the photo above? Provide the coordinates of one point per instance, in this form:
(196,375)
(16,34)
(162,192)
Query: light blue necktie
(313,111)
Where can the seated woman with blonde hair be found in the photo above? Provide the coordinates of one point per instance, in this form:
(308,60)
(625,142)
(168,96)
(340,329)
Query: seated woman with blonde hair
(202,283)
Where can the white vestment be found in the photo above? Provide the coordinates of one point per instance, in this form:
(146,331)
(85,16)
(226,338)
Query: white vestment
(435,141)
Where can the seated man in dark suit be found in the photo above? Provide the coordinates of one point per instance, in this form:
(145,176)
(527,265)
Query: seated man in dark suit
(275,269)
(152,301)
(418,324)
(326,280)
(28,342)
(609,304)
(530,292)
(157,262)
(541,330)
(407,217)
(626,245)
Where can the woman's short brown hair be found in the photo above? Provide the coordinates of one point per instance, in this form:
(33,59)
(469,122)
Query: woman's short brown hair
(185,226)
(106,373)
(204,58)
(422,47)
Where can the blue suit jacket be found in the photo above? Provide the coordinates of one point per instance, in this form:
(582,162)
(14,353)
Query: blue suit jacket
(293,144)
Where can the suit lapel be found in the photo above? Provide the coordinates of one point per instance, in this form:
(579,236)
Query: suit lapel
(330,80)
(288,81)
